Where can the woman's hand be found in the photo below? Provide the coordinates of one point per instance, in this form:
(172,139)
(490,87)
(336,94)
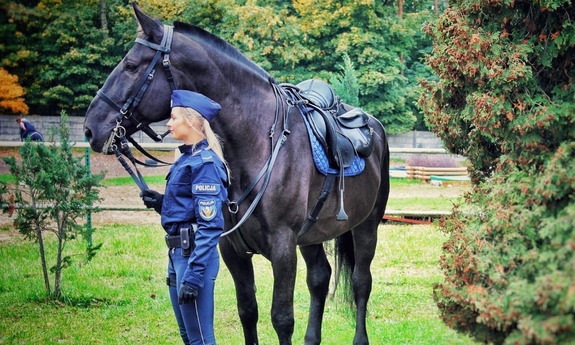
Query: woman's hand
(152,199)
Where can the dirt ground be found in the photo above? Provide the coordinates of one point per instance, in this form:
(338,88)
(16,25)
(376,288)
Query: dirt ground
(114,197)
(128,196)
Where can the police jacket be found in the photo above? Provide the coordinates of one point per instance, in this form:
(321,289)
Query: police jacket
(196,190)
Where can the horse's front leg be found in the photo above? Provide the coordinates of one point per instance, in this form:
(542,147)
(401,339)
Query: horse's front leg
(284,264)
(318,275)
(242,270)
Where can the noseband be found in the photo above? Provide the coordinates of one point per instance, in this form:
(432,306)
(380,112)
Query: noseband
(125,111)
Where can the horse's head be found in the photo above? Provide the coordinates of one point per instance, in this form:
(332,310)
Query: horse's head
(183,56)
(120,105)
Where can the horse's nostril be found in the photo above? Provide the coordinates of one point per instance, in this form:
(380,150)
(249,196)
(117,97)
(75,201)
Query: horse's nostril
(88,133)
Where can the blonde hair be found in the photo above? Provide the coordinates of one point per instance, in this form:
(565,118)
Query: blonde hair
(214,142)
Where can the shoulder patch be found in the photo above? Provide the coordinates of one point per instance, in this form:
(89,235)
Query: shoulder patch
(208,209)
(206,188)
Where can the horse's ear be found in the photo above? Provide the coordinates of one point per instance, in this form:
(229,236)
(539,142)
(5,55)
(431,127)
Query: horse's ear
(147,26)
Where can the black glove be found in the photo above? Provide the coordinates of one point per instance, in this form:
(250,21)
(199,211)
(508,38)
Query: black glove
(152,199)
(187,293)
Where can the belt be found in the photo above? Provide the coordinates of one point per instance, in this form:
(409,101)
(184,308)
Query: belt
(175,241)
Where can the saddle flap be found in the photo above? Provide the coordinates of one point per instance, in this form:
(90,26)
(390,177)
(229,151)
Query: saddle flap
(345,151)
(355,118)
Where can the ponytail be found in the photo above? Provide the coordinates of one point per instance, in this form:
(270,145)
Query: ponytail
(215,144)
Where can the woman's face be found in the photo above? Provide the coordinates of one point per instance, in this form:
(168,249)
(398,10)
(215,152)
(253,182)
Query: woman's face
(181,129)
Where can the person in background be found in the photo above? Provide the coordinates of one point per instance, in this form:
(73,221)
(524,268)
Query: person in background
(191,214)
(27,130)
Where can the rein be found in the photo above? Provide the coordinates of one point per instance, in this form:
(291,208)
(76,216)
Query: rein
(233,206)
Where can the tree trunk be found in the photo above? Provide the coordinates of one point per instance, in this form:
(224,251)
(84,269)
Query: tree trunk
(59,264)
(43,259)
(103,20)
(400,15)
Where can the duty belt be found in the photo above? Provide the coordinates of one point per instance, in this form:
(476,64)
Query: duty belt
(176,241)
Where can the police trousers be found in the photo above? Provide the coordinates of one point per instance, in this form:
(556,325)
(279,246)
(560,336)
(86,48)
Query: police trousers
(195,320)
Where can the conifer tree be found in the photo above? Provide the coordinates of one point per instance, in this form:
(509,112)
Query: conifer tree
(53,192)
(505,100)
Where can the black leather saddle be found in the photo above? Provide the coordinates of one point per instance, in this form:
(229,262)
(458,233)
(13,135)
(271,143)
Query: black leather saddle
(343,130)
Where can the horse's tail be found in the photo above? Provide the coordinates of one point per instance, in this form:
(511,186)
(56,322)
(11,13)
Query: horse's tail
(344,264)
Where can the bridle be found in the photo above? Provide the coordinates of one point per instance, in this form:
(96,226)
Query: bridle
(125,112)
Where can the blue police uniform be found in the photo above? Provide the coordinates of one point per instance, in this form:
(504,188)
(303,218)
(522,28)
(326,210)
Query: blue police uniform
(196,190)
(191,212)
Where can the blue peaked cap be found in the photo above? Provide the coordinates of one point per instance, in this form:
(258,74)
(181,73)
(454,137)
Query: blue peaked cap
(207,107)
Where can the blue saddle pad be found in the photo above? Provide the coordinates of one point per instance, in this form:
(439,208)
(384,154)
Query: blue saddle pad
(322,162)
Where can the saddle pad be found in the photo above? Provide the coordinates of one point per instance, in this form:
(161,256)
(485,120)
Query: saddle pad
(322,162)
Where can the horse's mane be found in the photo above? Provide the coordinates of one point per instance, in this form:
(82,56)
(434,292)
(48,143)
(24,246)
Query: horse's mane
(207,38)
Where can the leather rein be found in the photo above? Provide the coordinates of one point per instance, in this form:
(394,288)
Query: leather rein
(125,113)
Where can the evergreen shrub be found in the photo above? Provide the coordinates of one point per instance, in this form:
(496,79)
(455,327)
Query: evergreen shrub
(505,99)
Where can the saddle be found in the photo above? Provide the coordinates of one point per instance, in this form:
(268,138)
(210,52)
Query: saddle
(341,129)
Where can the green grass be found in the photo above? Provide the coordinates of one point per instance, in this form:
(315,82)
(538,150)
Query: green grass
(404,182)
(108,182)
(439,203)
(120,297)
(415,195)
(128,181)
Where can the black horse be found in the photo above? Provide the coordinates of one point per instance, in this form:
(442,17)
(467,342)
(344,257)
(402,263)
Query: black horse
(263,131)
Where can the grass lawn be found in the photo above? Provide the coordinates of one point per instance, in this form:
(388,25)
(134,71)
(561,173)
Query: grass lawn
(120,296)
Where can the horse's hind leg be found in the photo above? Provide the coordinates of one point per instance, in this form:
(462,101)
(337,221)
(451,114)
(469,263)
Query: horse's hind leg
(242,271)
(318,275)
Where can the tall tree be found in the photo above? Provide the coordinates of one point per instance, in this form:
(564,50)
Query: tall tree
(374,38)
(345,83)
(59,55)
(270,36)
(62,50)
(103,19)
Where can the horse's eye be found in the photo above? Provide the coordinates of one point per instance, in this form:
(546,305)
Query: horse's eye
(131,67)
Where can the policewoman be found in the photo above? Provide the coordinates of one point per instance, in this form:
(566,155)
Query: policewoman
(191,213)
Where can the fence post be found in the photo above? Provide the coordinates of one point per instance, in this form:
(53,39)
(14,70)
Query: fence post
(89,213)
